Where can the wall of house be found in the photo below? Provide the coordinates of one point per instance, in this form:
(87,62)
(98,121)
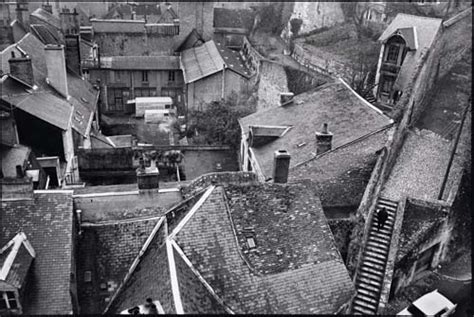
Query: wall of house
(209,89)
(341,230)
(134,44)
(316,15)
(271,82)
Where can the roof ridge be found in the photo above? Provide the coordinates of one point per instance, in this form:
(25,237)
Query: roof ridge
(365,136)
(420,16)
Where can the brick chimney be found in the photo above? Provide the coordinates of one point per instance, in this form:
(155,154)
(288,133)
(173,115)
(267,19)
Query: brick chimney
(22,12)
(56,66)
(147,178)
(47,7)
(323,140)
(281,165)
(22,68)
(286,98)
(69,21)
(73,54)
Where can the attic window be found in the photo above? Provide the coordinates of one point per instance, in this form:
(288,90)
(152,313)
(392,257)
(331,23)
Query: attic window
(8,300)
(83,99)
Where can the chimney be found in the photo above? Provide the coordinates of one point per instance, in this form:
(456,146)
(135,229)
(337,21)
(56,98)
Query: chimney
(22,13)
(69,21)
(134,15)
(286,98)
(147,178)
(281,165)
(47,7)
(56,66)
(22,68)
(73,54)
(323,140)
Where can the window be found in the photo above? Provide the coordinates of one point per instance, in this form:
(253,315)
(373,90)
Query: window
(171,75)
(8,300)
(118,77)
(145,92)
(117,97)
(392,54)
(251,243)
(387,84)
(145,76)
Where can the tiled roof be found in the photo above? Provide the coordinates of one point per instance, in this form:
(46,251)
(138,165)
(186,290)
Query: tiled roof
(233,60)
(118,26)
(341,175)
(291,270)
(209,58)
(47,34)
(44,106)
(12,157)
(423,34)
(47,221)
(141,62)
(232,18)
(107,250)
(56,110)
(46,17)
(348,116)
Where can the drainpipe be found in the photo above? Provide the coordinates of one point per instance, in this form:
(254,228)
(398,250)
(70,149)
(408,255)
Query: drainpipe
(223,82)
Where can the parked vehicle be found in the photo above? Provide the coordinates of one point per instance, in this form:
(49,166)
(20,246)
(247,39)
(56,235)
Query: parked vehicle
(431,304)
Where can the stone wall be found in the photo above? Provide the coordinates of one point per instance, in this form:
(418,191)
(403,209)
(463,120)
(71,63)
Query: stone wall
(341,230)
(224,178)
(316,15)
(272,81)
(456,40)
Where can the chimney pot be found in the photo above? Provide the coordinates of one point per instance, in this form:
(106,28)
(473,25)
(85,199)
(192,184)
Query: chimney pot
(281,165)
(323,140)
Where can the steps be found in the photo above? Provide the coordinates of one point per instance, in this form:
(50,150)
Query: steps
(371,270)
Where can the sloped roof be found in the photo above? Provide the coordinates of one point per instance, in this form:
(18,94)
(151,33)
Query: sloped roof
(233,18)
(202,247)
(210,58)
(348,116)
(46,17)
(118,26)
(47,34)
(420,33)
(48,223)
(15,260)
(193,39)
(44,106)
(141,62)
(341,176)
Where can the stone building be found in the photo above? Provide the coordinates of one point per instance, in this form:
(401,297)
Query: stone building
(218,255)
(212,72)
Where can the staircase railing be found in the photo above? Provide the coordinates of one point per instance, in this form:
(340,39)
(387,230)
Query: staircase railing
(392,254)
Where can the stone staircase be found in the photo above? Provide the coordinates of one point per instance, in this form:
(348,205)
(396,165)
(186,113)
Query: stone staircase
(371,270)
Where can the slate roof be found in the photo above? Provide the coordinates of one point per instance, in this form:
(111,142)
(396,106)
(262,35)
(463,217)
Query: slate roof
(44,106)
(47,35)
(420,33)
(55,109)
(348,117)
(341,176)
(209,58)
(118,26)
(233,18)
(46,17)
(141,62)
(291,271)
(47,220)
(12,157)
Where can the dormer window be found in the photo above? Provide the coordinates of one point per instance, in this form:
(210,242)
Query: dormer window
(8,301)
(395,50)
